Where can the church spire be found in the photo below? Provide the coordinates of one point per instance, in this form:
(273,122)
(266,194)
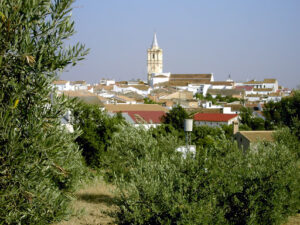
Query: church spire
(154,43)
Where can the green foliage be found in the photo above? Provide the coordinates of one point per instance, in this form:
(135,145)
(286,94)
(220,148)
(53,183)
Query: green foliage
(199,96)
(249,122)
(39,162)
(149,101)
(175,117)
(286,112)
(246,116)
(271,112)
(129,145)
(221,185)
(228,131)
(210,98)
(257,123)
(226,98)
(97,130)
(204,136)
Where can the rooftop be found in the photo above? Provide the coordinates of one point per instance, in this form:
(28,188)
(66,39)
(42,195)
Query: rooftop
(270,81)
(226,92)
(255,136)
(214,117)
(225,83)
(246,88)
(262,89)
(134,107)
(78,82)
(191,76)
(59,82)
(150,117)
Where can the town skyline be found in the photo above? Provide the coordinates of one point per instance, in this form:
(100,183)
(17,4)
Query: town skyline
(247,40)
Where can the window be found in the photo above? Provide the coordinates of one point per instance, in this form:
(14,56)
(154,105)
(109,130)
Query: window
(153,56)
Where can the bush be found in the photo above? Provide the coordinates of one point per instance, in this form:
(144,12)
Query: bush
(97,130)
(286,112)
(222,185)
(130,145)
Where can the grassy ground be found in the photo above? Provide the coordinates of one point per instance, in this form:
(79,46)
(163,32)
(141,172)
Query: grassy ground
(93,203)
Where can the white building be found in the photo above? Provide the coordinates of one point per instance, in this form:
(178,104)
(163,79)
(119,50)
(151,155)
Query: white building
(270,84)
(79,85)
(107,82)
(63,85)
(198,88)
(139,89)
(157,78)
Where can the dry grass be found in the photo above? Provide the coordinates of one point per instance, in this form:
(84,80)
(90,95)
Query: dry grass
(93,204)
(294,220)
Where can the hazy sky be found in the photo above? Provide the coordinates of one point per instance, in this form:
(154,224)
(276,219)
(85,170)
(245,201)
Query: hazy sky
(249,39)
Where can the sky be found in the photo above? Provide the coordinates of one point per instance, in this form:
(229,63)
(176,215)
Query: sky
(248,39)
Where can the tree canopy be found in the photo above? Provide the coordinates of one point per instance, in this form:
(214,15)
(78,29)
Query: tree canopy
(175,117)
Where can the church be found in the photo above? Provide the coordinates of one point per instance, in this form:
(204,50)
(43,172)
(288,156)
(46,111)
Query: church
(156,76)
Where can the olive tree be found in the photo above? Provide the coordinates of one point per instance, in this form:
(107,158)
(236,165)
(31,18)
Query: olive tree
(39,161)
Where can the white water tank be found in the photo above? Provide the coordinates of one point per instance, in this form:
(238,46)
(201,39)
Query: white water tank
(188,125)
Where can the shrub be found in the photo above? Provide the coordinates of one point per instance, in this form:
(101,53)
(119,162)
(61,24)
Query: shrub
(222,185)
(176,117)
(97,130)
(130,145)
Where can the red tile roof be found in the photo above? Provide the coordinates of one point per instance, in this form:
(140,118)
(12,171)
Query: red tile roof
(147,116)
(214,117)
(246,88)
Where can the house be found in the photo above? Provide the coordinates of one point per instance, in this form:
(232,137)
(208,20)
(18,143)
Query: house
(121,99)
(182,81)
(226,92)
(107,82)
(178,95)
(146,119)
(85,97)
(79,85)
(200,88)
(134,107)
(221,85)
(90,89)
(247,139)
(159,78)
(275,97)
(189,103)
(140,89)
(62,85)
(214,119)
(248,89)
(192,78)
(265,84)
(254,98)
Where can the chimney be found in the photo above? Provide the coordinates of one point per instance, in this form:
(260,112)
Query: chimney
(235,127)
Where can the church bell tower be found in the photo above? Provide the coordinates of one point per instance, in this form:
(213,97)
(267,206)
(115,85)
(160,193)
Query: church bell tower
(155,59)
